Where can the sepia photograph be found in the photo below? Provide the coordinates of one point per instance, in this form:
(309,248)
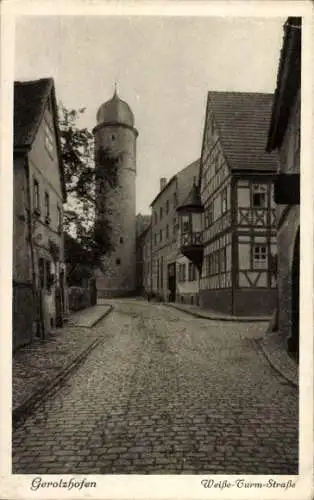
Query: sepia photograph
(156,247)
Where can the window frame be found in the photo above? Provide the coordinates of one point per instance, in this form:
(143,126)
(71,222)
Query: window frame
(36,196)
(259,258)
(258,189)
(185,223)
(59,221)
(47,207)
(224,201)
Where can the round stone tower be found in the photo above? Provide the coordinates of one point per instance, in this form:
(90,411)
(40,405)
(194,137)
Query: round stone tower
(115,136)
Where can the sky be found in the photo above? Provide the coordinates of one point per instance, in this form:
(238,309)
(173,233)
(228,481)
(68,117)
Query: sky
(163,66)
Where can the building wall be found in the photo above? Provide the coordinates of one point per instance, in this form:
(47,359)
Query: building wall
(23,307)
(44,168)
(20,247)
(165,230)
(217,300)
(255,245)
(147,262)
(164,237)
(118,208)
(187,290)
(288,220)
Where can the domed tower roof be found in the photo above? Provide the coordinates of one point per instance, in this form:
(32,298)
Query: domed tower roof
(115,111)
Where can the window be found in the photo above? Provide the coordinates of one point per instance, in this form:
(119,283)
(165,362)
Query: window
(155,239)
(215,161)
(121,239)
(185,223)
(175,201)
(47,207)
(223,259)
(160,213)
(59,221)
(259,199)
(224,201)
(211,264)
(160,235)
(171,270)
(113,137)
(41,273)
(259,256)
(155,218)
(206,223)
(174,227)
(167,231)
(118,262)
(36,196)
(181,272)
(167,206)
(192,272)
(209,215)
(48,274)
(216,262)
(48,139)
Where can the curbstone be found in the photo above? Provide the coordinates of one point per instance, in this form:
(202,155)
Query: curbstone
(274,365)
(95,321)
(237,319)
(27,407)
(110,307)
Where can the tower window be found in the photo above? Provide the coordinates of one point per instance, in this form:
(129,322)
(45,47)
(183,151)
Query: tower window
(118,262)
(113,137)
(121,239)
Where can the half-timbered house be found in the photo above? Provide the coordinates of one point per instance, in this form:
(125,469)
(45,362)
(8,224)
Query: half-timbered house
(239,216)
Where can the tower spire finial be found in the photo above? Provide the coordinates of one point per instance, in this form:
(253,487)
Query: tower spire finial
(115,88)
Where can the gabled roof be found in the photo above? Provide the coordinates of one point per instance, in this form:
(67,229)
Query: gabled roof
(242,120)
(171,180)
(30,100)
(288,81)
(184,180)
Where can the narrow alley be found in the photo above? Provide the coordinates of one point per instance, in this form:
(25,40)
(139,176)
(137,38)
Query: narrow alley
(165,393)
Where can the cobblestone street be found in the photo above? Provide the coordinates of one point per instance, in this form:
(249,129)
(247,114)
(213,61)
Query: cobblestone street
(165,393)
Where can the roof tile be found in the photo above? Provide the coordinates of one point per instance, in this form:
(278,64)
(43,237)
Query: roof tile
(242,120)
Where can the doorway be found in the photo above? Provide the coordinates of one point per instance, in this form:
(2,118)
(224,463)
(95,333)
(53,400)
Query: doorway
(172,281)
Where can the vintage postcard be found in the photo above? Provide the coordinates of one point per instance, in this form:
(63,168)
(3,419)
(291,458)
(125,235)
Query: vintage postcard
(157,192)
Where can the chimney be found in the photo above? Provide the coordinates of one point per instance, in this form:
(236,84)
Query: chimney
(163,182)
